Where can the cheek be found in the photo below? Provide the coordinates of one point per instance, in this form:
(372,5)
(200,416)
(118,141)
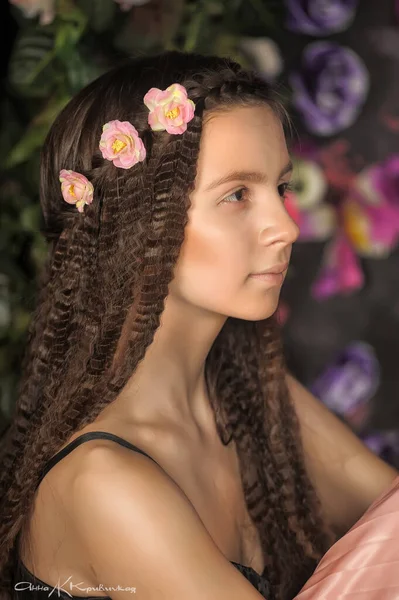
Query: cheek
(212,257)
(198,249)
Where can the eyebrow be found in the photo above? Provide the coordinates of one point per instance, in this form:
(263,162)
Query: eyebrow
(251,176)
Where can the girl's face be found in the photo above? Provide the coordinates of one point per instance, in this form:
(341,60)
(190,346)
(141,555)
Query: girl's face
(238,224)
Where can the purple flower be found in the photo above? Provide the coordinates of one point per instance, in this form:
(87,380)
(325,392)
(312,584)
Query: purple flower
(331,87)
(319,17)
(349,382)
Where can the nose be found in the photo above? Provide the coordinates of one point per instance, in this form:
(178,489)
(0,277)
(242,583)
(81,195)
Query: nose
(278,227)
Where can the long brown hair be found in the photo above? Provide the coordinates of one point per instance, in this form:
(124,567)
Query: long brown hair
(102,295)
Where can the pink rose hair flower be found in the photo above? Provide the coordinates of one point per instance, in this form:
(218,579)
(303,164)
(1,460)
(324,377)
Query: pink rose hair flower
(170,109)
(76,189)
(121,144)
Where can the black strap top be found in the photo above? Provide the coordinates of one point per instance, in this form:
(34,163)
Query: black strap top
(28,586)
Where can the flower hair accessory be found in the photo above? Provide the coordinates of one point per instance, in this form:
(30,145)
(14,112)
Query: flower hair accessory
(76,189)
(121,144)
(170,109)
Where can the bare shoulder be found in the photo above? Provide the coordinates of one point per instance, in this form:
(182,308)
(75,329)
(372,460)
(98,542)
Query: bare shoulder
(141,531)
(347,475)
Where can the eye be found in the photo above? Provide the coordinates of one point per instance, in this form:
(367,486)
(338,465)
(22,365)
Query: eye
(241,194)
(283,188)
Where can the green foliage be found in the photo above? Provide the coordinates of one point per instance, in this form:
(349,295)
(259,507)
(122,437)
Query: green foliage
(48,65)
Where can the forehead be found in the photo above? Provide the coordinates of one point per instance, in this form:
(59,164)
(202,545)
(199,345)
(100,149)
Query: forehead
(242,138)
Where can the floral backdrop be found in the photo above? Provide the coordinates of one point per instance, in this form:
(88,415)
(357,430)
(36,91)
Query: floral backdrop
(334,63)
(341,303)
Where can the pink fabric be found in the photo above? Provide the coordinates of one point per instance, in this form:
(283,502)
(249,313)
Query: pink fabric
(364,563)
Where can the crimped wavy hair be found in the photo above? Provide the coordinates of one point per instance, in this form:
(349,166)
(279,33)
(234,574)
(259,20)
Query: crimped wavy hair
(102,294)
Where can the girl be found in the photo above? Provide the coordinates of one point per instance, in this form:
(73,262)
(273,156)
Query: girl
(158,444)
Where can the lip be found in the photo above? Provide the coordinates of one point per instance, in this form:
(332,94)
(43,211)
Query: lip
(276,270)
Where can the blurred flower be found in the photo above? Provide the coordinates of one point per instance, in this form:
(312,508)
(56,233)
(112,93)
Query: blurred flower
(317,224)
(331,87)
(335,160)
(76,188)
(365,221)
(349,382)
(317,220)
(309,183)
(373,231)
(264,54)
(170,109)
(370,213)
(339,167)
(340,271)
(126,5)
(121,144)
(315,17)
(381,181)
(33,8)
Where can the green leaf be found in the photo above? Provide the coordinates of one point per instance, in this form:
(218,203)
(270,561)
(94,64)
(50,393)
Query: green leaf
(67,11)
(197,22)
(12,128)
(100,13)
(32,53)
(80,72)
(71,24)
(36,132)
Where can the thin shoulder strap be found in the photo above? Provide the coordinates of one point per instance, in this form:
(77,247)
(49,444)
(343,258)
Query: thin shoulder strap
(85,437)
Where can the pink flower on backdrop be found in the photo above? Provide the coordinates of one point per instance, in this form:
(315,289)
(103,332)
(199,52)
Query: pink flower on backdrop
(371,210)
(384,179)
(372,230)
(338,164)
(121,144)
(33,8)
(292,208)
(170,109)
(365,220)
(76,188)
(340,271)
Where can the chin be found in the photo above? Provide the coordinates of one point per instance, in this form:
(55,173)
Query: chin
(260,316)
(257,311)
